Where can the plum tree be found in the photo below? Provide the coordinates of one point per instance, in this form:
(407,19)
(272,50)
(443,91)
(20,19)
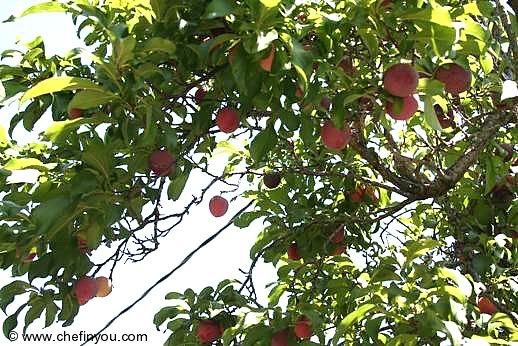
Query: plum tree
(456,79)
(218,206)
(408,108)
(378,231)
(227,120)
(400,80)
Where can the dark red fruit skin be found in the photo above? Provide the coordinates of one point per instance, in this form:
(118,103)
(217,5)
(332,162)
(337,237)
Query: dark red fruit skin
(302,328)
(74,113)
(400,80)
(454,77)
(445,120)
(338,236)
(227,120)
(407,111)
(339,249)
(280,338)
(293,252)
(299,93)
(199,95)
(208,331)
(272,180)
(335,138)
(85,289)
(346,64)
(301,17)
(486,306)
(325,103)
(161,162)
(218,206)
(357,195)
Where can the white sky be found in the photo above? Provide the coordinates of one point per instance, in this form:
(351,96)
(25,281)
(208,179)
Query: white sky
(218,261)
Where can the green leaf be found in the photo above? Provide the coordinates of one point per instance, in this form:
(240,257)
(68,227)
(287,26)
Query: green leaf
(430,87)
(59,131)
(270,3)
(51,6)
(438,15)
(99,157)
(50,212)
(245,219)
(302,60)
(174,295)
(158,44)
(36,308)
(90,99)
(124,49)
(440,37)
(386,273)
(219,8)
(169,312)
(8,292)
(50,313)
(486,61)
(263,143)
(490,174)
(12,321)
(351,319)
(403,340)
(177,185)
(370,40)
(306,131)
(430,116)
(56,84)
(256,334)
(419,248)
(474,29)
(481,263)
(463,283)
(276,293)
(26,163)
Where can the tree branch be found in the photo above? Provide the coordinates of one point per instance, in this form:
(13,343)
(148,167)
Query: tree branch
(166,276)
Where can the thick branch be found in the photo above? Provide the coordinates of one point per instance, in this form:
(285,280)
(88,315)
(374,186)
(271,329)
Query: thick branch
(506,23)
(478,141)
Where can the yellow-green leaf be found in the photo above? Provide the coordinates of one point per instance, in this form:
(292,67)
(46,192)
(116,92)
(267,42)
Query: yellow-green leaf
(56,84)
(270,3)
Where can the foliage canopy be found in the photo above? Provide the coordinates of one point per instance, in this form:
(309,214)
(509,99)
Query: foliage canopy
(428,202)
